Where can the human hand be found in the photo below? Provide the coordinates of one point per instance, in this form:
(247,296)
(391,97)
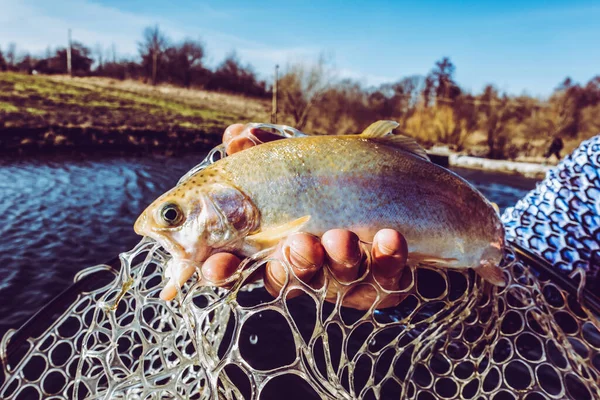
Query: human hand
(340,250)
(238,137)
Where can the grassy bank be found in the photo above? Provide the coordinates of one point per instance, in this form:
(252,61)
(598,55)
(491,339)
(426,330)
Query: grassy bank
(40,113)
(92,114)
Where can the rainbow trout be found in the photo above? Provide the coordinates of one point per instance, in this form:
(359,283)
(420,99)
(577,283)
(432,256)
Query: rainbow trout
(252,199)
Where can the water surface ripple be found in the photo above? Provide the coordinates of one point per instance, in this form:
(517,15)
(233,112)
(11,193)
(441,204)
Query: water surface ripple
(60,215)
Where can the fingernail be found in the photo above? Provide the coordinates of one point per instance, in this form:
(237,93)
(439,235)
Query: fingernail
(348,260)
(299,249)
(385,250)
(355,257)
(343,249)
(228,134)
(299,261)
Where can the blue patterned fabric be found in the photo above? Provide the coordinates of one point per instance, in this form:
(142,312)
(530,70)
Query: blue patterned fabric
(560,219)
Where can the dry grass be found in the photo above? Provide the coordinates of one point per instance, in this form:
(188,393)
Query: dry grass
(251,109)
(59,101)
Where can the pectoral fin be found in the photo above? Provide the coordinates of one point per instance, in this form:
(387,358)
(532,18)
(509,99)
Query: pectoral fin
(420,258)
(270,237)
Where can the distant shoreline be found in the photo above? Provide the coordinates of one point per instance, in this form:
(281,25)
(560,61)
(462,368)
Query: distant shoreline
(90,140)
(57,115)
(58,140)
(527,169)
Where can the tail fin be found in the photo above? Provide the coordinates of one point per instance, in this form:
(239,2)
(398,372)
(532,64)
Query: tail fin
(492,273)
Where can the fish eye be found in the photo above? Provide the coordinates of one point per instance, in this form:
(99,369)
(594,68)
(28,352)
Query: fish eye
(171,214)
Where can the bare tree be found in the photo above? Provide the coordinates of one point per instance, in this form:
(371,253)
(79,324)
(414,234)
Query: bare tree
(410,87)
(428,89)
(99,55)
(182,59)
(443,79)
(398,101)
(302,87)
(569,100)
(11,55)
(497,112)
(342,109)
(152,48)
(232,76)
(2,61)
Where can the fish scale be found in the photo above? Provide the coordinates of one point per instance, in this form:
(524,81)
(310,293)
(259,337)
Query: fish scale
(363,183)
(353,183)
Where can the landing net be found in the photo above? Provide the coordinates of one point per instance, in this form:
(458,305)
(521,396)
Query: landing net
(446,339)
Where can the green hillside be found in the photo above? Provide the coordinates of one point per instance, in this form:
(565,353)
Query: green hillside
(60,106)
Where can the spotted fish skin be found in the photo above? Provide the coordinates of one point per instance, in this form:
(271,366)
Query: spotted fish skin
(358,184)
(354,182)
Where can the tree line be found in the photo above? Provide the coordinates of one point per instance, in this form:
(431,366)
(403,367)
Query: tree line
(160,61)
(435,110)
(432,108)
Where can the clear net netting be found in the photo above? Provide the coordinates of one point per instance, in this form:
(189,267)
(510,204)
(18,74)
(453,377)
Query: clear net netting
(450,337)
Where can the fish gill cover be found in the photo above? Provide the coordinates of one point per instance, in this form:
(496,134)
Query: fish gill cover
(528,340)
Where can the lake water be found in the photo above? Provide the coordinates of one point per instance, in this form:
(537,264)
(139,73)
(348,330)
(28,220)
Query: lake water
(62,215)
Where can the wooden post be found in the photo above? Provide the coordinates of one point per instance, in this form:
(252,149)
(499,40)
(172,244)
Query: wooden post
(69,67)
(274,110)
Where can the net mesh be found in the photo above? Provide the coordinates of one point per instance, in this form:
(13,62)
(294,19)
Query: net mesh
(451,337)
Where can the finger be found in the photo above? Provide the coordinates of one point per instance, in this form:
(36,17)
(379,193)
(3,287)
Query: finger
(248,137)
(180,274)
(215,270)
(306,256)
(389,253)
(240,143)
(232,131)
(219,267)
(344,255)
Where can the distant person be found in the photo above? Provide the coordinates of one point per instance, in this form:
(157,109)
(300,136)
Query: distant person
(555,147)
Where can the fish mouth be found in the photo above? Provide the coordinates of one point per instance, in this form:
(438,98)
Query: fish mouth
(141,224)
(175,250)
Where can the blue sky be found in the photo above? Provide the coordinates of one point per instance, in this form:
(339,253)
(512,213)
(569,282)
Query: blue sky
(518,46)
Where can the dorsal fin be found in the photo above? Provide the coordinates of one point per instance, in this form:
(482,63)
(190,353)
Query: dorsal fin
(379,129)
(380,132)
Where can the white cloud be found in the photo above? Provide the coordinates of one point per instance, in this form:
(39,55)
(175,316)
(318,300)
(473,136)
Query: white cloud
(36,25)
(365,79)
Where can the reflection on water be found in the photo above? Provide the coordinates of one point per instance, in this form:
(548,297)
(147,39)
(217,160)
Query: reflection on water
(503,189)
(62,215)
